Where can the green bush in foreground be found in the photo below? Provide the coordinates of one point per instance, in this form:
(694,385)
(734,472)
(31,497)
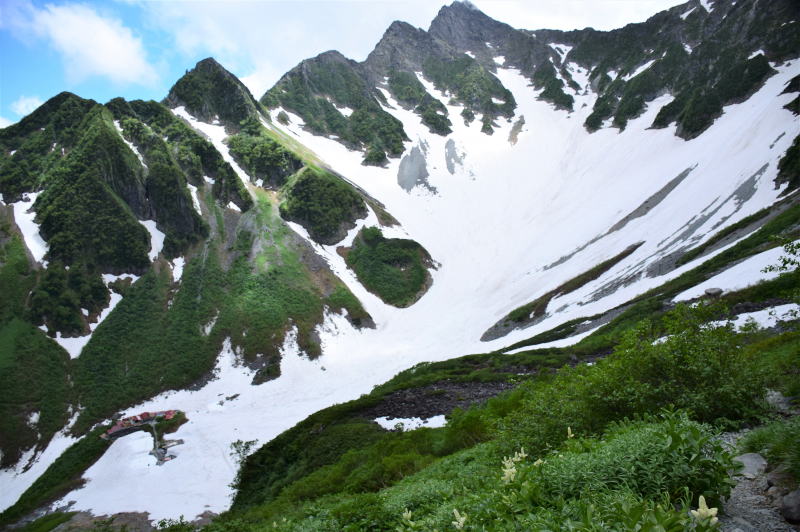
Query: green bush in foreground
(640,475)
(702,368)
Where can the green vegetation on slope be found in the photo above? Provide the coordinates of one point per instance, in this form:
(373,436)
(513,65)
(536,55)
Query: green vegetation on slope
(195,155)
(322,203)
(33,380)
(266,289)
(309,90)
(261,156)
(789,167)
(778,442)
(394,269)
(409,90)
(208,91)
(473,86)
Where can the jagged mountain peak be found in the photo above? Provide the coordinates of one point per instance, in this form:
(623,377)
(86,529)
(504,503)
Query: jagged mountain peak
(463,25)
(402,47)
(210,92)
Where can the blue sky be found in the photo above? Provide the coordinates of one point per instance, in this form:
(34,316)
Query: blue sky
(139,48)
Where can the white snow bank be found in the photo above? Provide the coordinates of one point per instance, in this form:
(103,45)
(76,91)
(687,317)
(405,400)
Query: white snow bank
(707,5)
(24,216)
(156,238)
(177,268)
(345,111)
(16,480)
(561,49)
(756,53)
(563,342)
(411,423)
(769,317)
(232,206)
(744,274)
(195,199)
(687,13)
(639,70)
(217,135)
(74,346)
(500,60)
(130,144)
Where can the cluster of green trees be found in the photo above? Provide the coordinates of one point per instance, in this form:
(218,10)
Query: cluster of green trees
(261,156)
(322,203)
(394,269)
(472,85)
(407,89)
(546,77)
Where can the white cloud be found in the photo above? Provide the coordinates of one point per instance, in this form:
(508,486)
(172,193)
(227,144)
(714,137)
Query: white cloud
(260,40)
(5,122)
(25,105)
(573,14)
(90,44)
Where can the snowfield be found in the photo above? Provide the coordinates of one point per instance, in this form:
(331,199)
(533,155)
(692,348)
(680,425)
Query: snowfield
(507,223)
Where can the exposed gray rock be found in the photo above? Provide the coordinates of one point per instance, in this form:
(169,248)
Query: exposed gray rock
(413,171)
(452,157)
(515,130)
(790,507)
(754,464)
(779,402)
(713,292)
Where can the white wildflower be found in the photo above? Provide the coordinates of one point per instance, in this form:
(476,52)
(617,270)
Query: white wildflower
(460,520)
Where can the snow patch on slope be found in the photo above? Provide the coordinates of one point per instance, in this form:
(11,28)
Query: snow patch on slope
(24,217)
(411,423)
(17,479)
(217,135)
(74,345)
(195,199)
(156,238)
(741,275)
(639,70)
(130,144)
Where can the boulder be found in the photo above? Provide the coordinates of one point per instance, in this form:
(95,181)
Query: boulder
(754,464)
(790,507)
(714,292)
